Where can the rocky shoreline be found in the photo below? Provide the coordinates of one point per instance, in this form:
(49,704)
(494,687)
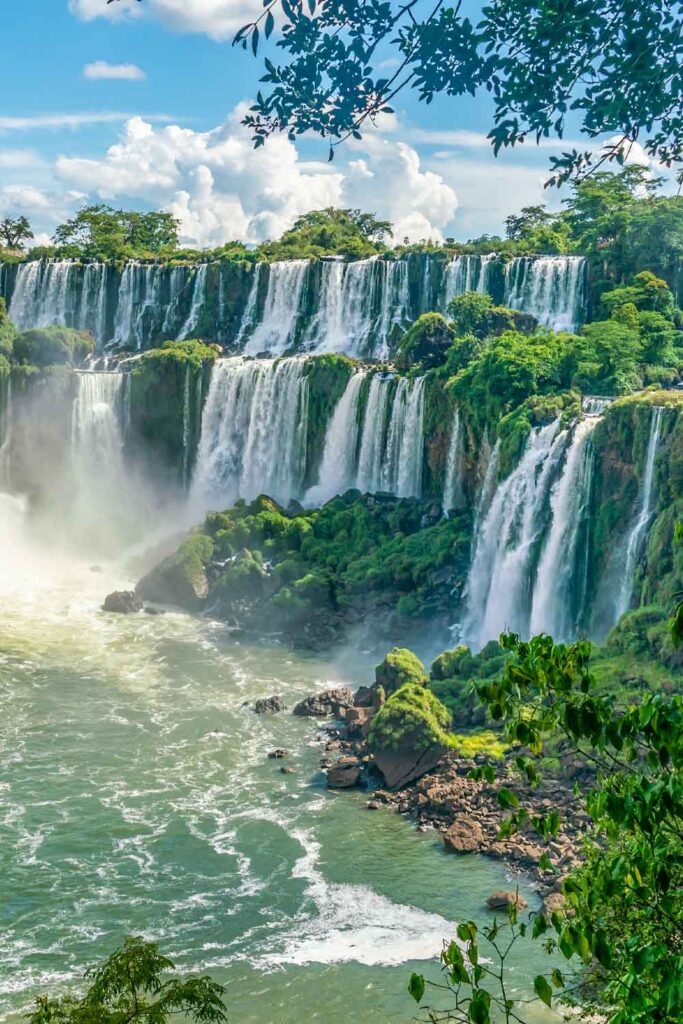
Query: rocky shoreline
(464,811)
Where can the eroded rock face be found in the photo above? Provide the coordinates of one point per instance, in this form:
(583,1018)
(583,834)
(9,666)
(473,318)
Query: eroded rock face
(122,602)
(406,763)
(269,705)
(181,578)
(321,705)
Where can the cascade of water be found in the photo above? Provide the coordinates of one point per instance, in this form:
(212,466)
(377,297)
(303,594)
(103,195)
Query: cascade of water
(123,322)
(42,295)
(343,322)
(591,406)
(198,299)
(5,432)
(452,491)
(253,437)
(409,482)
(249,315)
(395,303)
(499,583)
(187,426)
(638,532)
(550,288)
(338,465)
(92,310)
(177,281)
(391,457)
(559,590)
(373,436)
(276,331)
(486,265)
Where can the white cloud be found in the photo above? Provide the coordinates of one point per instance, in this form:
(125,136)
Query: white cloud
(47,207)
(218,19)
(71,120)
(101,69)
(221,189)
(19,159)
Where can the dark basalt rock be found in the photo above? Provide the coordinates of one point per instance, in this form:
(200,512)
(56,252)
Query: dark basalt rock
(269,705)
(279,754)
(321,705)
(122,602)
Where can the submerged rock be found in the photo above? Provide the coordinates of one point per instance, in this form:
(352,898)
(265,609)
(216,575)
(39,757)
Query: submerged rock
(321,705)
(122,602)
(279,754)
(504,899)
(269,705)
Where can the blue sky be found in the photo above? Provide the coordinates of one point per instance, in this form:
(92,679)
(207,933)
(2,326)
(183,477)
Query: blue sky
(168,134)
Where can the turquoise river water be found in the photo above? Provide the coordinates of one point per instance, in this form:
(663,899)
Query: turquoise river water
(136,797)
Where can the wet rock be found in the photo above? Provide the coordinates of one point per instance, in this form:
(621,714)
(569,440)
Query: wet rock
(504,899)
(122,602)
(286,770)
(278,754)
(405,764)
(345,774)
(373,805)
(358,721)
(150,609)
(328,702)
(553,903)
(464,836)
(269,705)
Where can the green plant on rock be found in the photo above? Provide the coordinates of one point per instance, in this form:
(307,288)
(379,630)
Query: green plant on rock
(53,346)
(399,667)
(411,715)
(426,343)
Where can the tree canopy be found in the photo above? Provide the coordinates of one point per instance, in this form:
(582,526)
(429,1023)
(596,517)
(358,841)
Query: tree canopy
(99,231)
(14,231)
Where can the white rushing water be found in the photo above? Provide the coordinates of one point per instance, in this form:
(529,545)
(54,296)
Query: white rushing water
(499,583)
(550,288)
(41,294)
(392,439)
(452,492)
(253,437)
(560,584)
(276,329)
(198,300)
(637,534)
(338,466)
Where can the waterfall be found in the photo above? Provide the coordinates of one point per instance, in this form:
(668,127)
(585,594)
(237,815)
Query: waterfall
(250,310)
(198,299)
(391,453)
(637,534)
(559,591)
(338,465)
(253,437)
(369,477)
(97,435)
(409,480)
(277,328)
(5,432)
(500,579)
(467,273)
(41,294)
(187,426)
(550,288)
(452,491)
(592,406)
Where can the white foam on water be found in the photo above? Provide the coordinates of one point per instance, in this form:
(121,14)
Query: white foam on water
(355,924)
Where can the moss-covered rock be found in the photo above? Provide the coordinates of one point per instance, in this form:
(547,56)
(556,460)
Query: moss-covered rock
(399,667)
(409,734)
(181,578)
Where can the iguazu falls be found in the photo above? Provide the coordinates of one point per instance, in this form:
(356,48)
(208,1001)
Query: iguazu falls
(341,646)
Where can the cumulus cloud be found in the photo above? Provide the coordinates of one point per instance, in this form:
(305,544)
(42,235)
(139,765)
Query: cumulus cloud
(101,69)
(43,206)
(218,19)
(220,189)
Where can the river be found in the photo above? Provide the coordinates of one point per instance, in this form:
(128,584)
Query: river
(137,798)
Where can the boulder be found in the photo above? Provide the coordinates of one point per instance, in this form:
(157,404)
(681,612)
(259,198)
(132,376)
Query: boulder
(406,763)
(279,754)
(464,836)
(504,899)
(553,903)
(344,775)
(269,705)
(408,735)
(181,578)
(328,702)
(358,721)
(122,602)
(399,667)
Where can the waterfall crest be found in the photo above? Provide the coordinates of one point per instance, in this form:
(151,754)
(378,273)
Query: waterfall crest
(550,288)
(277,328)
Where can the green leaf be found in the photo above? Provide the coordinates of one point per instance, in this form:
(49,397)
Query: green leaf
(543,990)
(416,986)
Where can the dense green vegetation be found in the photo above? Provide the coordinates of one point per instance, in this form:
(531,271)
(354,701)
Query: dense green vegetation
(314,573)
